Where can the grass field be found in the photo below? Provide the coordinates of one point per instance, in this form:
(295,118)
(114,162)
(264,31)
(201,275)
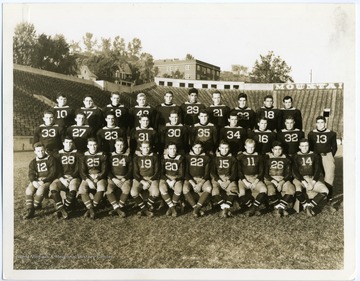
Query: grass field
(265,242)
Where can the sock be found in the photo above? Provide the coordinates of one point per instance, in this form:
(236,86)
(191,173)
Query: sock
(112,199)
(70,198)
(97,198)
(245,200)
(167,199)
(331,190)
(318,198)
(151,201)
(273,200)
(203,198)
(218,199)
(288,198)
(87,201)
(29,202)
(230,199)
(55,195)
(122,200)
(190,199)
(138,200)
(260,199)
(37,200)
(301,197)
(175,198)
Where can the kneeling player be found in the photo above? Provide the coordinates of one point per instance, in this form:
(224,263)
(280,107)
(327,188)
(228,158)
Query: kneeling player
(224,174)
(146,177)
(197,178)
(251,173)
(172,176)
(93,172)
(120,176)
(42,171)
(306,170)
(278,179)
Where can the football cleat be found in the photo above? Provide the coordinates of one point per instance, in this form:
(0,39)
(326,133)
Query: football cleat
(196,212)
(63,213)
(174,213)
(38,207)
(91,214)
(120,213)
(309,211)
(278,212)
(169,212)
(112,212)
(224,213)
(286,213)
(29,214)
(252,211)
(87,214)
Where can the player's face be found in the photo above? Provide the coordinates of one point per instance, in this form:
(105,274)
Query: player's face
(287,103)
(289,124)
(68,144)
(250,148)
(88,102)
(224,149)
(197,149)
(216,99)
(320,125)
(92,146)
(144,122)
(277,151)
(203,118)
(172,150)
(80,119)
(168,98)
(141,101)
(262,125)
(119,146)
(39,151)
(145,149)
(268,102)
(193,98)
(61,101)
(110,121)
(174,118)
(233,121)
(242,102)
(115,100)
(48,119)
(304,147)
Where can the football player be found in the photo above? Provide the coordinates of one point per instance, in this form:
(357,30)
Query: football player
(290,136)
(142,108)
(224,175)
(121,112)
(64,114)
(163,110)
(262,136)
(42,171)
(93,172)
(80,132)
(289,110)
(272,114)
(246,116)
(197,178)
(191,108)
(218,112)
(94,115)
(146,177)
(143,133)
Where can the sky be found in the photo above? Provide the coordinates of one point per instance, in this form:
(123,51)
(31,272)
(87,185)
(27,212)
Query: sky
(316,38)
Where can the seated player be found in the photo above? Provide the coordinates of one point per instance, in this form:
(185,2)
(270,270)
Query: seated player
(246,116)
(64,114)
(143,133)
(224,175)
(146,174)
(197,178)
(163,110)
(42,171)
(262,136)
(121,112)
(272,114)
(142,108)
(234,134)
(278,178)
(290,136)
(191,108)
(218,112)
(93,172)
(119,177)
(49,134)
(94,115)
(107,135)
(306,171)
(289,110)
(68,179)
(80,132)
(172,177)
(251,174)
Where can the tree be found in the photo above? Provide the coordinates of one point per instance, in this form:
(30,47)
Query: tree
(270,69)
(89,42)
(118,47)
(230,76)
(106,46)
(239,69)
(74,47)
(134,47)
(189,57)
(24,41)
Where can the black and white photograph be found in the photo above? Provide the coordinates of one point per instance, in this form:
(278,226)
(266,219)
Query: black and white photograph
(179,141)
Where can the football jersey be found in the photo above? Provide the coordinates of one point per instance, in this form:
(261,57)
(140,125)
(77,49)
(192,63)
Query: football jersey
(106,138)
(44,168)
(93,164)
(307,164)
(137,111)
(250,165)
(139,135)
(190,112)
(69,162)
(218,115)
(277,167)
(172,168)
(207,134)
(146,166)
(197,166)
(94,117)
(121,112)
(177,134)
(120,165)
(51,136)
(323,141)
(273,116)
(246,117)
(294,113)
(80,134)
(64,116)
(235,136)
(290,140)
(263,140)
(163,113)
(223,166)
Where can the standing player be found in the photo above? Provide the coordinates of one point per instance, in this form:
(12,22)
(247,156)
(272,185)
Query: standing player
(234,134)
(93,172)
(64,114)
(272,114)
(251,174)
(49,133)
(142,108)
(262,136)
(143,133)
(246,116)
(289,110)
(191,108)
(224,175)
(42,171)
(146,177)
(290,137)
(218,112)
(278,176)
(205,132)
(323,142)
(94,115)
(107,135)
(306,170)
(172,177)
(197,178)
(163,110)
(121,112)
(120,177)
(80,132)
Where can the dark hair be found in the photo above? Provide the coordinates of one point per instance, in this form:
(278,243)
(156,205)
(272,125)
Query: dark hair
(171,143)
(38,144)
(242,95)
(204,111)
(287,98)
(321,118)
(303,140)
(169,92)
(58,95)
(88,96)
(276,143)
(193,90)
(114,93)
(268,97)
(92,139)
(49,112)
